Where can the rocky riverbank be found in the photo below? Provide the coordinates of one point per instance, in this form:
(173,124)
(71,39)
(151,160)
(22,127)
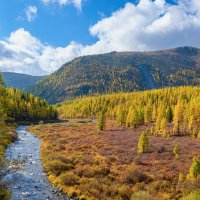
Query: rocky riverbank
(26,178)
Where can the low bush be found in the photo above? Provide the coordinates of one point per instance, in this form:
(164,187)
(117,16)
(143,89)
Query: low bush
(58,156)
(133,175)
(195,195)
(95,188)
(192,184)
(161,186)
(125,192)
(69,179)
(85,171)
(57,167)
(141,195)
(4,193)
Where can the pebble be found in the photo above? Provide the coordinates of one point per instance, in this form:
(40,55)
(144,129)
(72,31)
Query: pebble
(28,178)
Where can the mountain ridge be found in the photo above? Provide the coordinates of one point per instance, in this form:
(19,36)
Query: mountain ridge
(20,81)
(121,71)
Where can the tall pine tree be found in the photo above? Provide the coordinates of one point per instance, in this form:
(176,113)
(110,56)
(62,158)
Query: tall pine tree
(143,143)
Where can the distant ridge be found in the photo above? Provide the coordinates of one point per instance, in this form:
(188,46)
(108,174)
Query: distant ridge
(121,71)
(20,81)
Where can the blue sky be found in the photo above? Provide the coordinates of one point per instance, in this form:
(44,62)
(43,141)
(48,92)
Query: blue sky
(38,36)
(55,24)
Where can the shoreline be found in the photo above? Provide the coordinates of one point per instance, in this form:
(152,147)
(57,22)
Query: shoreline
(27,178)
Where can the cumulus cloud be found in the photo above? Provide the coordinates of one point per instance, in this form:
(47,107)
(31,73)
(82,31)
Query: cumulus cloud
(23,53)
(31,13)
(76,3)
(148,25)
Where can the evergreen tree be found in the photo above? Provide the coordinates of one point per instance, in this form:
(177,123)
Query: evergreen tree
(143,143)
(194,170)
(101,121)
(132,118)
(129,117)
(178,118)
(169,114)
(147,114)
(164,127)
(176,150)
(191,123)
(154,112)
(181,178)
(121,118)
(194,133)
(198,136)
(158,125)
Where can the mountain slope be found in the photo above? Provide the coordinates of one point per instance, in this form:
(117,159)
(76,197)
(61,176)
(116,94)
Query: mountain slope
(20,81)
(121,71)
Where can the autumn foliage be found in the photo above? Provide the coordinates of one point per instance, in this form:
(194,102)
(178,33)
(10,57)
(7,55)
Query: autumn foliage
(173,111)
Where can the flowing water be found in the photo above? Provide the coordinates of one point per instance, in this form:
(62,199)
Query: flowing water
(26,178)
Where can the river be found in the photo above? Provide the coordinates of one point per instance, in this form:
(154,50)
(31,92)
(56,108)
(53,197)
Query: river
(26,178)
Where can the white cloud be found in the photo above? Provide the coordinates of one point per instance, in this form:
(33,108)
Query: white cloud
(31,13)
(149,25)
(76,3)
(23,53)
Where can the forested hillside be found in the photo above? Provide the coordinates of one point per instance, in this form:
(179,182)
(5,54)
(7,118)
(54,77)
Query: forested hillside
(173,110)
(5,137)
(26,107)
(121,71)
(15,106)
(20,81)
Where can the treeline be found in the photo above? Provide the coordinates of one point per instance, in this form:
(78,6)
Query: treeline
(26,107)
(7,134)
(2,102)
(16,105)
(170,111)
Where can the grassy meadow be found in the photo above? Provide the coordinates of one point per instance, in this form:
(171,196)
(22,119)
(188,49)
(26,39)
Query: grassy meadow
(91,164)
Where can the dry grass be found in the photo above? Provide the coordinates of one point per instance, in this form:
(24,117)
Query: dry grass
(7,136)
(105,165)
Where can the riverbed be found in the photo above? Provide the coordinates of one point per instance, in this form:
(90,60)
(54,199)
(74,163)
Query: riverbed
(26,178)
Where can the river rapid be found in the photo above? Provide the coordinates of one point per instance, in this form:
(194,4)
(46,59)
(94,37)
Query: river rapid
(26,178)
